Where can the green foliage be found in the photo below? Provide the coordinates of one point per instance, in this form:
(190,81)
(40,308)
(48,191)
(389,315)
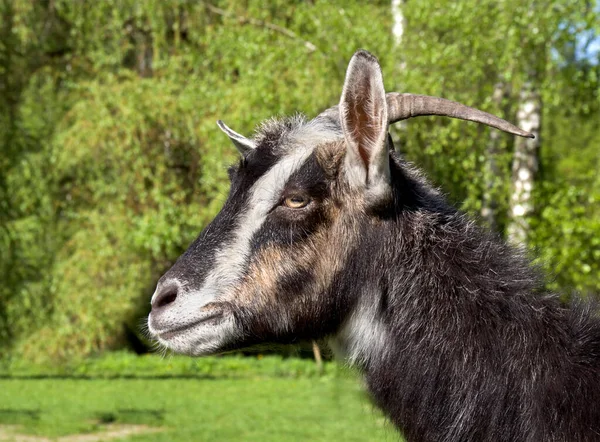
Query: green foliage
(116,122)
(120,364)
(567,240)
(461,50)
(29,107)
(111,162)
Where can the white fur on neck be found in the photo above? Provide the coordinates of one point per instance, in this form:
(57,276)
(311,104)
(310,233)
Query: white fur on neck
(362,336)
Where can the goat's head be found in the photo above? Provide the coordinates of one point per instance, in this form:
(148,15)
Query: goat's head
(272,266)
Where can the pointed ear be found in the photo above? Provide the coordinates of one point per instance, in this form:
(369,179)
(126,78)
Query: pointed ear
(364,120)
(243,144)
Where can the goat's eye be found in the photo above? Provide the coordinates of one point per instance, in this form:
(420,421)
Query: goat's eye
(296,201)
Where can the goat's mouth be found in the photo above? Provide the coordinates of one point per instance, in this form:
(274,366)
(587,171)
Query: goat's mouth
(213,318)
(206,333)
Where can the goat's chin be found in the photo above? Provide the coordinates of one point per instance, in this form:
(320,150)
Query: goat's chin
(199,339)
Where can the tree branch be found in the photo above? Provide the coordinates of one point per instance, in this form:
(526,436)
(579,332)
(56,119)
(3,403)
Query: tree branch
(260,23)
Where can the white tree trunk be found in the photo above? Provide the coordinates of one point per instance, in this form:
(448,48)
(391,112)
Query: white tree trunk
(399,22)
(398,130)
(525,165)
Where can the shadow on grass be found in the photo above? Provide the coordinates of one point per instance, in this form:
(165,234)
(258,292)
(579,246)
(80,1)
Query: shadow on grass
(84,377)
(19,416)
(108,425)
(131,416)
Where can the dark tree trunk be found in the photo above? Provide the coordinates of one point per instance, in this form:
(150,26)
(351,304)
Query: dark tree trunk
(489,209)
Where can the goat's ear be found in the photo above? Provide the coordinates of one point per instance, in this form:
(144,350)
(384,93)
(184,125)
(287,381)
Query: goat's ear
(364,120)
(243,144)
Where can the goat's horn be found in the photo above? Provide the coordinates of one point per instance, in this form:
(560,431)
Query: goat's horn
(243,144)
(403,106)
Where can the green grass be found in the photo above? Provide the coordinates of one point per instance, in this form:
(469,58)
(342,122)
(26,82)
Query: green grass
(128,365)
(329,408)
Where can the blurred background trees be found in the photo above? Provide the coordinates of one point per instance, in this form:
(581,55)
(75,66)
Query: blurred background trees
(111,162)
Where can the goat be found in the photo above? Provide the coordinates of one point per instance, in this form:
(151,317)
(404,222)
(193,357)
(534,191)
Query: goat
(328,233)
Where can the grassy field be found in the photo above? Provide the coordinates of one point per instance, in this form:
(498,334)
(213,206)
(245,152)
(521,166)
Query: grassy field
(181,409)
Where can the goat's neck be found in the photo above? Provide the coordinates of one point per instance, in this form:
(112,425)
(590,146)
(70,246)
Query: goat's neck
(442,275)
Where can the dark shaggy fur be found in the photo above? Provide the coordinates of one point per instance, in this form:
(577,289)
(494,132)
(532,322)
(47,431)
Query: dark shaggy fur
(475,350)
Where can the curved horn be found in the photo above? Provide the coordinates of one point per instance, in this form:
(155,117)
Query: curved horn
(403,106)
(243,144)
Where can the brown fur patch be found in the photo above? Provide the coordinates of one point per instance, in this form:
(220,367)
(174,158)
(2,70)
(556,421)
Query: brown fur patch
(262,275)
(323,255)
(329,156)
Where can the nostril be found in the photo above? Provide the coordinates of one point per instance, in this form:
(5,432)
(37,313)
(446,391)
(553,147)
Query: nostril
(167,296)
(166,299)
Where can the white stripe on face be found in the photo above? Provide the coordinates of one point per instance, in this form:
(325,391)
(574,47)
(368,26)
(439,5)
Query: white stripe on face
(233,256)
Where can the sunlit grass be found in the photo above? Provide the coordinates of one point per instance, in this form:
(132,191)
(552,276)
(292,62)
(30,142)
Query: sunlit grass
(261,409)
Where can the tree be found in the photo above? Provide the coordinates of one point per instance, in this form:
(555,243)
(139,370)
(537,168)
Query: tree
(128,164)
(499,56)
(112,163)
(525,164)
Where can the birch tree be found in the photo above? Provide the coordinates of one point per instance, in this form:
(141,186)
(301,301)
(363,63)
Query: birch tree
(525,164)
(398,28)
(526,53)
(399,22)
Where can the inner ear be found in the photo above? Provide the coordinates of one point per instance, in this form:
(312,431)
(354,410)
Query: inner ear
(363,116)
(363,120)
